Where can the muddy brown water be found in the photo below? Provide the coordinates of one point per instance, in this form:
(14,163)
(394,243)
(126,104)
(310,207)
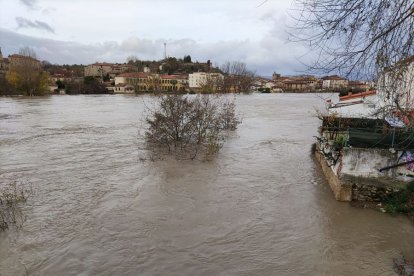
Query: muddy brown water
(261,207)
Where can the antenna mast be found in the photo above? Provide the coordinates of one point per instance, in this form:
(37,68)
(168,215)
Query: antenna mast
(165,50)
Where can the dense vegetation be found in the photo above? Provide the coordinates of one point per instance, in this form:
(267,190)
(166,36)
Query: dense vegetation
(25,77)
(401,201)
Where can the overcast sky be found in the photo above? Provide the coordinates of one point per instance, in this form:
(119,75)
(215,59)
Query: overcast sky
(85,31)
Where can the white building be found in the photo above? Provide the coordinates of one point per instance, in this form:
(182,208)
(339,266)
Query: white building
(199,79)
(100,69)
(123,88)
(334,82)
(127,78)
(147,69)
(359,105)
(393,86)
(397,85)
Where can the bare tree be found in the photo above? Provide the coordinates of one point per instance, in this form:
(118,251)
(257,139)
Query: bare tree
(28,52)
(187,126)
(153,83)
(237,77)
(26,74)
(11,196)
(132,59)
(362,38)
(212,84)
(353,36)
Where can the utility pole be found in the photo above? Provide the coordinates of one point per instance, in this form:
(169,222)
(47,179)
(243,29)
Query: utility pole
(165,50)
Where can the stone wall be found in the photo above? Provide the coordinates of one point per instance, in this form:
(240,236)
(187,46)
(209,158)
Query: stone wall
(361,192)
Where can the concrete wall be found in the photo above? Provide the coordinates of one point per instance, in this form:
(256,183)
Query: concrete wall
(366,162)
(341,190)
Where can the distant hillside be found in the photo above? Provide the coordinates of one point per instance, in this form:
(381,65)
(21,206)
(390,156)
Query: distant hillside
(172,65)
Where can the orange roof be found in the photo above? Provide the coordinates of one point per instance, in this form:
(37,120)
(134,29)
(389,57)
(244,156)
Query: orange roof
(103,64)
(283,78)
(408,60)
(308,79)
(112,64)
(357,95)
(295,81)
(134,75)
(334,77)
(122,65)
(173,76)
(21,56)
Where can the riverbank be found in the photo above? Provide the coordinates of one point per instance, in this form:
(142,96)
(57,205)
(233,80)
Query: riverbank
(386,195)
(401,202)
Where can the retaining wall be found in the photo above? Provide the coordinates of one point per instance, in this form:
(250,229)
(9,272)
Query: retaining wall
(356,175)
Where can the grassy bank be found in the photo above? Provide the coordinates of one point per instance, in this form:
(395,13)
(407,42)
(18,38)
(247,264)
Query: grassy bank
(401,201)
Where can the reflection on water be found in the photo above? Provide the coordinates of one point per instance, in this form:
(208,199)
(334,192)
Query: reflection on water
(262,207)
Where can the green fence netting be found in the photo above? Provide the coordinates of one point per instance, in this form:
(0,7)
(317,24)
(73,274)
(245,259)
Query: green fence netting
(369,138)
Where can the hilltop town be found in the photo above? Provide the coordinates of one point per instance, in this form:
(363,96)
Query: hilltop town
(167,75)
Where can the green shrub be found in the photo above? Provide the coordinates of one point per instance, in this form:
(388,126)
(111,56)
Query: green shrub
(398,202)
(340,141)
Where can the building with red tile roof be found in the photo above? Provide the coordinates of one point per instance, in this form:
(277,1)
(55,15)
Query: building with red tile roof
(100,69)
(334,82)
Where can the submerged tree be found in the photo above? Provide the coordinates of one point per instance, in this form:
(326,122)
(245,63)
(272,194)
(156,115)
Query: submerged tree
(187,126)
(11,196)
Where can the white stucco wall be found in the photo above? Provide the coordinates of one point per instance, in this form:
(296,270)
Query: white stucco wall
(326,84)
(390,89)
(119,80)
(198,79)
(364,162)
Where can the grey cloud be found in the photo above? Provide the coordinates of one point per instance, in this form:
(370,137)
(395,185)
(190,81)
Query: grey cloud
(138,45)
(48,11)
(30,3)
(259,56)
(26,23)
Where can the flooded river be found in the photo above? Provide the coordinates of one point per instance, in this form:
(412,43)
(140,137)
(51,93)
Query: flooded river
(262,207)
